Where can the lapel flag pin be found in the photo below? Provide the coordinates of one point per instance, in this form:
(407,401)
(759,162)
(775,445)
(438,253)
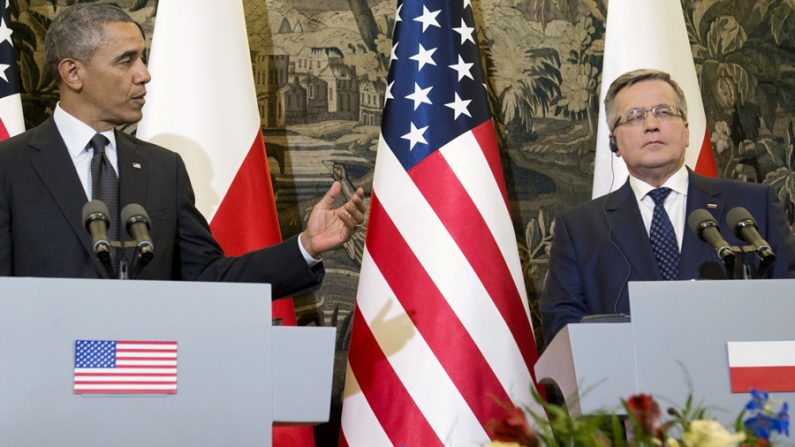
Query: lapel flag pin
(712,205)
(137,165)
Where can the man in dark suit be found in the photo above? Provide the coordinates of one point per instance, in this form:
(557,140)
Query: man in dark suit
(602,244)
(96,51)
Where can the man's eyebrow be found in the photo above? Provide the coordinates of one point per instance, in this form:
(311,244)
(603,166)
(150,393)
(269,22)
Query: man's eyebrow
(131,54)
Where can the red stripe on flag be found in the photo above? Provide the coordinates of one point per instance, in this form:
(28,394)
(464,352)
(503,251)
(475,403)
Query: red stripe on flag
(451,202)
(383,389)
(3,131)
(705,164)
(446,336)
(125,391)
(145,342)
(768,378)
(78,374)
(246,218)
(487,140)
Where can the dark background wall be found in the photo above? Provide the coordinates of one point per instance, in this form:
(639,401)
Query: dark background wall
(320,66)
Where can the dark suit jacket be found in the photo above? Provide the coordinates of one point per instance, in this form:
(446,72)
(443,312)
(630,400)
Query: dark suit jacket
(42,233)
(602,244)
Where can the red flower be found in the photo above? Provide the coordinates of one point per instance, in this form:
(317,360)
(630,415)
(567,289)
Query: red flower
(645,411)
(513,428)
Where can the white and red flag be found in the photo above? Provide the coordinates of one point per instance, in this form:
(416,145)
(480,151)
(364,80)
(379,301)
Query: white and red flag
(649,34)
(12,122)
(202,103)
(442,335)
(762,365)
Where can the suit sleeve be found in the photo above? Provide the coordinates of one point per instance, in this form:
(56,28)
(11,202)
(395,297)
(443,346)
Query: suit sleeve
(200,258)
(563,298)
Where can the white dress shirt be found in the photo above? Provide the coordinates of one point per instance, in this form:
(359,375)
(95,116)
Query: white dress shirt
(675,204)
(77,136)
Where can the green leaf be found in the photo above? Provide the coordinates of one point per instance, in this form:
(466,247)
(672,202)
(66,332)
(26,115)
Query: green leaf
(740,77)
(757,15)
(780,15)
(725,36)
(767,98)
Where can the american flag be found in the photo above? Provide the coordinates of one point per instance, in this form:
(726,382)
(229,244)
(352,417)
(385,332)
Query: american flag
(125,367)
(441,331)
(11,119)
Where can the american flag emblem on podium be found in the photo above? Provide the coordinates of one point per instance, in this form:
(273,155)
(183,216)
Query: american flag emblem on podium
(125,367)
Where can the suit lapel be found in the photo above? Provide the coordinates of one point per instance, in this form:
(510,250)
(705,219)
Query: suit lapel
(629,232)
(56,170)
(700,194)
(132,175)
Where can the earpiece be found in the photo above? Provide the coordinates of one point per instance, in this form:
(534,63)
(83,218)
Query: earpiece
(613,144)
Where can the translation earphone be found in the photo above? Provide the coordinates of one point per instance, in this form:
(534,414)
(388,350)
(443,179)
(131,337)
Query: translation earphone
(613,144)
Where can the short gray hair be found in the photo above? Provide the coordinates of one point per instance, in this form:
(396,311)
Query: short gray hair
(77,32)
(636,76)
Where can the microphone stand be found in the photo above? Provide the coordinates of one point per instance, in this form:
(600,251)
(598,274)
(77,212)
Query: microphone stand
(141,258)
(746,268)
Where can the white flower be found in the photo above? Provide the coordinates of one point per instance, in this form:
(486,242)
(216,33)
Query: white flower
(710,434)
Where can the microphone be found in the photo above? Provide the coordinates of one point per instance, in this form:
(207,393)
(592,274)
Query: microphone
(745,228)
(706,228)
(137,223)
(96,221)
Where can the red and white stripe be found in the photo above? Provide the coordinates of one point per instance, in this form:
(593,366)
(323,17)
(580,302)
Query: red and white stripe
(649,34)
(141,368)
(202,103)
(762,365)
(441,329)
(12,122)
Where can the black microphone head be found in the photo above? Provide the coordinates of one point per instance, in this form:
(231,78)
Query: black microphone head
(134,213)
(699,220)
(739,217)
(95,210)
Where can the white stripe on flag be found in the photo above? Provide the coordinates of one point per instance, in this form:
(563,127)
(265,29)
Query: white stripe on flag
(126,370)
(451,272)
(413,361)
(473,171)
(148,346)
(126,386)
(359,423)
(125,362)
(165,379)
(761,353)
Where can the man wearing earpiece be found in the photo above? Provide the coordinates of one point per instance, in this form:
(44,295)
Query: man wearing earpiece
(638,232)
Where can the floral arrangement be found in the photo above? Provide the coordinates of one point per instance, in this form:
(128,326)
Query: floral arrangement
(758,425)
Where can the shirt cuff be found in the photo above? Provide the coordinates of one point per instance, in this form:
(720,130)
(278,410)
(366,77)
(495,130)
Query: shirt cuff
(310,261)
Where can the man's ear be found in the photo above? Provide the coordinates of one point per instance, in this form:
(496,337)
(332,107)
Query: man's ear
(71,73)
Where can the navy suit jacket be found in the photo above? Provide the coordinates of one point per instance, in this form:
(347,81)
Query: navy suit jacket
(42,233)
(602,244)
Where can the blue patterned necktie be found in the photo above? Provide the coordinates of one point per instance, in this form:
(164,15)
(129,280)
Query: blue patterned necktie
(663,237)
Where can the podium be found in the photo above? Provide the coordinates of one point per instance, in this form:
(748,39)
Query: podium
(236,375)
(675,346)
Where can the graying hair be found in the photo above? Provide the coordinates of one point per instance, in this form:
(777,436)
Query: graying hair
(633,77)
(77,32)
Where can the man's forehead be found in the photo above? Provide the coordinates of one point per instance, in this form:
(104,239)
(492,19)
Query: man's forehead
(646,93)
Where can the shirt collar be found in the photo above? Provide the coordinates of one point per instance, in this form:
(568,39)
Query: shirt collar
(77,134)
(678,182)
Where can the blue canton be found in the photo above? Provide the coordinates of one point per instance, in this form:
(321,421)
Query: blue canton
(435,90)
(95,354)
